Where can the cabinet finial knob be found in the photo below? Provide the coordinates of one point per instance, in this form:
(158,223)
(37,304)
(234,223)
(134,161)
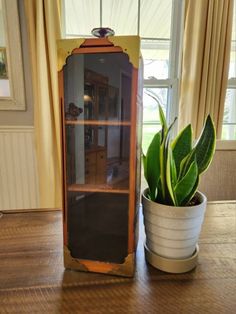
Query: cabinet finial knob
(102,32)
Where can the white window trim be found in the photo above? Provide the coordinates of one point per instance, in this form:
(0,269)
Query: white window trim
(14,58)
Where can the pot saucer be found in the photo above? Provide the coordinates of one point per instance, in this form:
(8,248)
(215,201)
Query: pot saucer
(176,266)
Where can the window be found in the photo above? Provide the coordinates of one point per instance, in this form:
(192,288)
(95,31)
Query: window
(158,23)
(160,49)
(11,68)
(229,119)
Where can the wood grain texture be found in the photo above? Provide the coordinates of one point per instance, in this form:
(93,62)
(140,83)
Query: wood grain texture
(33,279)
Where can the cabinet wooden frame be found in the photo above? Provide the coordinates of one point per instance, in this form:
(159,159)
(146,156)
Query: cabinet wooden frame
(97,46)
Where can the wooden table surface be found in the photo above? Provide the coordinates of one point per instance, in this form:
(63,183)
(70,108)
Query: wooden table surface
(33,279)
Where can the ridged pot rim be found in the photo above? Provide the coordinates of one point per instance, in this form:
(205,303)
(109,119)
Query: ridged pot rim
(175,212)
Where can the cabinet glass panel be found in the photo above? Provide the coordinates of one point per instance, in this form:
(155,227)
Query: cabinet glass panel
(98,155)
(93,92)
(98,226)
(89,101)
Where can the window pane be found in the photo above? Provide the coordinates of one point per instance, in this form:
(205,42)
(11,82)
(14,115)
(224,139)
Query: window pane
(81,16)
(150,106)
(229,120)
(121,16)
(155,18)
(230,108)
(229,132)
(4,81)
(151,121)
(156,58)
(148,132)
(232,65)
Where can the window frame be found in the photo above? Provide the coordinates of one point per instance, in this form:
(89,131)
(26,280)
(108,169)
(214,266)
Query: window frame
(16,101)
(231,84)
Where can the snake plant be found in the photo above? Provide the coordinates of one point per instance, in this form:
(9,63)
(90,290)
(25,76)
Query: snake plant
(172,168)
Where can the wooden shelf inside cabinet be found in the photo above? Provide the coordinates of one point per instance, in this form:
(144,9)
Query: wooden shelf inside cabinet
(95,188)
(98,122)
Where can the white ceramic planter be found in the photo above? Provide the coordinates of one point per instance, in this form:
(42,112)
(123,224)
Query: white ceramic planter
(173,232)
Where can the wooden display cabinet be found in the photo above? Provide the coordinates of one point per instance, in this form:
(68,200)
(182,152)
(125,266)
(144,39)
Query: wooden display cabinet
(100,97)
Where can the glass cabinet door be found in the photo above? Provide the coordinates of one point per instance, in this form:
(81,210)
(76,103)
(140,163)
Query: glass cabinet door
(97,145)
(89,102)
(102,102)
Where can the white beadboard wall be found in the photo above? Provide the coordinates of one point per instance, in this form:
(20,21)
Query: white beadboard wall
(19,187)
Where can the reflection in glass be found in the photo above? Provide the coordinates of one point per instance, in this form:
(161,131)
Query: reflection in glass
(99,93)
(98,226)
(103,158)
(89,93)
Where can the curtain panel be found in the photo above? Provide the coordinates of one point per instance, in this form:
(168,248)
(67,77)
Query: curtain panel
(43,23)
(205,62)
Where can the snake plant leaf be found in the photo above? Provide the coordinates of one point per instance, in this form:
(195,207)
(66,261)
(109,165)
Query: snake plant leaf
(191,194)
(181,146)
(159,197)
(203,150)
(171,176)
(205,146)
(163,161)
(144,158)
(153,165)
(173,169)
(163,122)
(184,187)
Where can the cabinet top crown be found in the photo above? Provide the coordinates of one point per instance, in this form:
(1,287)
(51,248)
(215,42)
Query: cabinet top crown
(127,44)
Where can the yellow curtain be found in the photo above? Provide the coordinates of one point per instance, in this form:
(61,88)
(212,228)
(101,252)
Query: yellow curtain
(205,63)
(43,22)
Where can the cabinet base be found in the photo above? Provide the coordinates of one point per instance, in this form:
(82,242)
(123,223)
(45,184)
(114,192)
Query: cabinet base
(126,269)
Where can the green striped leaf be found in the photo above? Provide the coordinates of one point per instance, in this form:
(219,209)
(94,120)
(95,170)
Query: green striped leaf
(163,161)
(186,184)
(152,164)
(203,150)
(191,194)
(163,121)
(171,177)
(205,146)
(182,146)
(144,158)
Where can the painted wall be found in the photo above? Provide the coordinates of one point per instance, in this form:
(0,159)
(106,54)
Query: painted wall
(22,117)
(18,166)
(219,181)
